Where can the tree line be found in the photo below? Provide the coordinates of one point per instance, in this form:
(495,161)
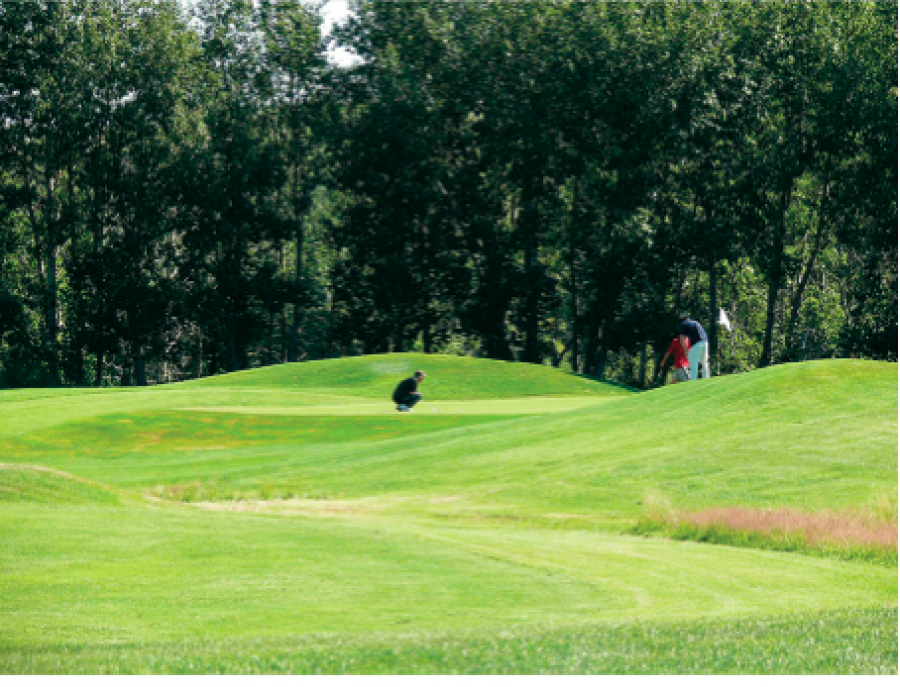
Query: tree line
(190,189)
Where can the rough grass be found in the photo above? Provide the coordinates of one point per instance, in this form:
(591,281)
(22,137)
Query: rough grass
(869,534)
(846,642)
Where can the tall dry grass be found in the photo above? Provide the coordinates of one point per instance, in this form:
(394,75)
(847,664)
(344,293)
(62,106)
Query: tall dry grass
(862,534)
(848,528)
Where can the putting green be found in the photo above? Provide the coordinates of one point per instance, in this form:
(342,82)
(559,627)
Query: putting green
(511,406)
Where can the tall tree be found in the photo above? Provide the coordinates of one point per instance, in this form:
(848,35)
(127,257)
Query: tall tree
(40,142)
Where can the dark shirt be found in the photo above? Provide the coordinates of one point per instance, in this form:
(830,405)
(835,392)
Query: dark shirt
(405,388)
(693,330)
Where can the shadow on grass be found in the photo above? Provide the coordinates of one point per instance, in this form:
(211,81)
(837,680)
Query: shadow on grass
(606,382)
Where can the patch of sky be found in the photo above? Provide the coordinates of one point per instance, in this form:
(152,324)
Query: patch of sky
(333,12)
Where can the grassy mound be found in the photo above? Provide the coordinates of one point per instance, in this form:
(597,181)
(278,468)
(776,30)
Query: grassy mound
(816,435)
(23,483)
(449,378)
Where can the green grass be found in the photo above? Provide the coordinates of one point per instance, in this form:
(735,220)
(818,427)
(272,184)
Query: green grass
(449,378)
(848,642)
(28,484)
(289,520)
(802,436)
(150,574)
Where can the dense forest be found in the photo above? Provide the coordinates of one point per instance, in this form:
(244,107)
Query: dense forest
(188,189)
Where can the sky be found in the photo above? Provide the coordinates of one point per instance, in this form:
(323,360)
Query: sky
(334,12)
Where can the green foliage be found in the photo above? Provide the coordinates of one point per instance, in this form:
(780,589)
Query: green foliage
(192,189)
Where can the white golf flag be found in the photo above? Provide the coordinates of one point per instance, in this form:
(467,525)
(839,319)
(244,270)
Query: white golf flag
(723,320)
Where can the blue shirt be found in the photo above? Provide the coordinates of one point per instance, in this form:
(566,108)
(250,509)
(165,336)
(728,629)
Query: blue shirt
(693,330)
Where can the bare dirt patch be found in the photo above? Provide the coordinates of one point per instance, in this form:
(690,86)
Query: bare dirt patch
(299,506)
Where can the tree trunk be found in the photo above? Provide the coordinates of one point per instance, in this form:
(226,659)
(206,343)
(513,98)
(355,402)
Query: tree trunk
(713,312)
(51,305)
(601,362)
(140,372)
(574,344)
(528,230)
(589,355)
(774,276)
(642,373)
(200,354)
(296,312)
(797,298)
(231,354)
(765,358)
(98,372)
(577,361)
(77,367)
(531,352)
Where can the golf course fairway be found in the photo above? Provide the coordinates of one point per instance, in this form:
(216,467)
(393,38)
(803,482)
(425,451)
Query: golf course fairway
(521,520)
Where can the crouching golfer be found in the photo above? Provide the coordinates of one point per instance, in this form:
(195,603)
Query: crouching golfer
(406,395)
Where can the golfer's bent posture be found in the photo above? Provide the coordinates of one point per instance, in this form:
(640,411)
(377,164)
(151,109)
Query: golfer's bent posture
(699,351)
(407,393)
(679,350)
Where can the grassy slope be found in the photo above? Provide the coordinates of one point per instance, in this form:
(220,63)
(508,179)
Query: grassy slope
(816,435)
(23,483)
(820,434)
(340,385)
(449,378)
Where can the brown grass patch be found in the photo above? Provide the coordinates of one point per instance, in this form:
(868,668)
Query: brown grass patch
(846,528)
(299,506)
